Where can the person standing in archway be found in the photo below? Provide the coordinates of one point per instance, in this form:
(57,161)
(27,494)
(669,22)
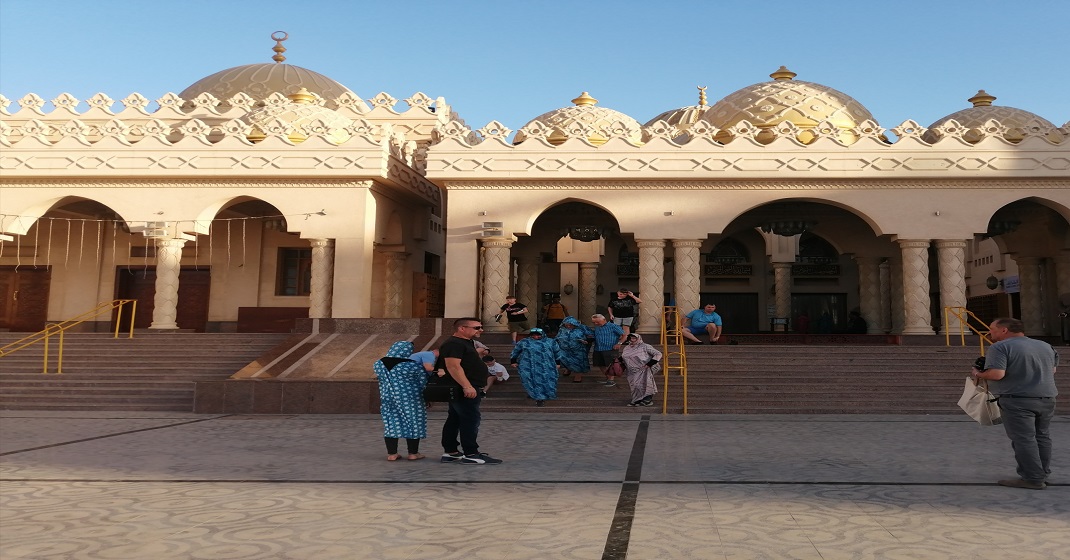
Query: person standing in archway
(622,309)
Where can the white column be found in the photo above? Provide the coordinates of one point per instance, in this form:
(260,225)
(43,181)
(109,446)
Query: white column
(1032,304)
(886,297)
(869,292)
(495,281)
(651,284)
(951,264)
(588,292)
(917,319)
(165,301)
(687,269)
(782,291)
(320,299)
(395,265)
(527,286)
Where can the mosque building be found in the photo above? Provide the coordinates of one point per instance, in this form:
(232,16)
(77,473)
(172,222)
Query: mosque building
(268,191)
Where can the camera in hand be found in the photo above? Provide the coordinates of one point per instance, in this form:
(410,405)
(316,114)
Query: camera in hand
(979,363)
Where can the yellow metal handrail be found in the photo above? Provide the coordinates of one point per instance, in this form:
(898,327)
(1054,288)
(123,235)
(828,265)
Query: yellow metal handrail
(674,356)
(53,329)
(964,315)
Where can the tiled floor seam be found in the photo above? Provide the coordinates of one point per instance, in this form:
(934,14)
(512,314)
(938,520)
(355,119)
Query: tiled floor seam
(105,436)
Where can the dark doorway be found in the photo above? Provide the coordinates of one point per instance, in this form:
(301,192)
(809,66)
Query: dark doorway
(817,306)
(140,283)
(24,293)
(739,312)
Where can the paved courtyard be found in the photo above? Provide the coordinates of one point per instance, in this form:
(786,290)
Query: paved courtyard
(160,486)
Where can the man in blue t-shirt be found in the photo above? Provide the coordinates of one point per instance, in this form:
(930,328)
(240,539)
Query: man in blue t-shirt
(705,320)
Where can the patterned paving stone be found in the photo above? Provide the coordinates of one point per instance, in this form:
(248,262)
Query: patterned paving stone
(724,487)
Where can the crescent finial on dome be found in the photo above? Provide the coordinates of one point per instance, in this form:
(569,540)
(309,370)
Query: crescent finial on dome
(584,99)
(279,37)
(701,96)
(982,99)
(783,74)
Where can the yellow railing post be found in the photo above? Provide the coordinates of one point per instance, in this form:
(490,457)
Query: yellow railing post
(674,356)
(59,356)
(964,315)
(44,367)
(133,313)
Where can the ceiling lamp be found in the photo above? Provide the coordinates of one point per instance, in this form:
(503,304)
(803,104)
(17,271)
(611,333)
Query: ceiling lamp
(788,228)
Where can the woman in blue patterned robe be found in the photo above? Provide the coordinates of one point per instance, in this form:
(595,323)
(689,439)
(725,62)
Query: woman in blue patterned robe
(536,361)
(573,346)
(401,386)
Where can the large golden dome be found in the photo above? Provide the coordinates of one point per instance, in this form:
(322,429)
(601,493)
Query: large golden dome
(261,80)
(684,117)
(805,104)
(974,119)
(584,112)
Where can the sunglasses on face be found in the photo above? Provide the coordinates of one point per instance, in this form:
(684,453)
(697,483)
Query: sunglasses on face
(474,327)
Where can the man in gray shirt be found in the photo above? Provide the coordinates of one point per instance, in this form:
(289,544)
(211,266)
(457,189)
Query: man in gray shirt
(1021,373)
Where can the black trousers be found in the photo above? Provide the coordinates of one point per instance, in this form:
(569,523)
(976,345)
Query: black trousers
(462,420)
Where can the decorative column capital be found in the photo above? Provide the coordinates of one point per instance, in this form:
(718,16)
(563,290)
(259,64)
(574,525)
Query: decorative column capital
(782,265)
(678,243)
(498,243)
(913,243)
(950,243)
(863,260)
(167,242)
(1026,261)
(650,243)
(321,242)
(589,265)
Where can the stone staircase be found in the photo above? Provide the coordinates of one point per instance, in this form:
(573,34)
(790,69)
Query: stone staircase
(778,379)
(157,371)
(154,371)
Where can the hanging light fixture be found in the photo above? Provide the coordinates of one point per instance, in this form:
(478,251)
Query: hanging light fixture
(583,233)
(788,228)
(784,219)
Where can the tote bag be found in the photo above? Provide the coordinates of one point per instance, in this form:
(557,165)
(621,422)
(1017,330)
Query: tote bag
(979,404)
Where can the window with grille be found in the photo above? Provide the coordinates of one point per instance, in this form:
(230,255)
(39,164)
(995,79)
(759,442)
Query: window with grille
(295,272)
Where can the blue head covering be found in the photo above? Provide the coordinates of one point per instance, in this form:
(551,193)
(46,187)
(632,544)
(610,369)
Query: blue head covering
(399,352)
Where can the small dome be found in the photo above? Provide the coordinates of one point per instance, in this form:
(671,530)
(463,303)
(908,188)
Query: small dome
(583,111)
(261,80)
(805,104)
(300,110)
(974,118)
(684,117)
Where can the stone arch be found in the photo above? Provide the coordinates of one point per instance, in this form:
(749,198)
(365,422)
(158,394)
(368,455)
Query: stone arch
(780,205)
(21,223)
(537,212)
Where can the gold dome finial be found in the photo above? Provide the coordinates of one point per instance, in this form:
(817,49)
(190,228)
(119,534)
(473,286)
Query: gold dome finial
(783,74)
(982,99)
(701,96)
(279,37)
(302,97)
(584,99)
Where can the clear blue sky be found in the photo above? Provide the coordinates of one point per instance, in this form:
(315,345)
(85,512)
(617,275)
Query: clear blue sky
(511,61)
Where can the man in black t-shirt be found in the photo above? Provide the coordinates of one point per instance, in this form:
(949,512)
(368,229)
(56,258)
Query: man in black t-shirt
(622,309)
(517,313)
(466,369)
